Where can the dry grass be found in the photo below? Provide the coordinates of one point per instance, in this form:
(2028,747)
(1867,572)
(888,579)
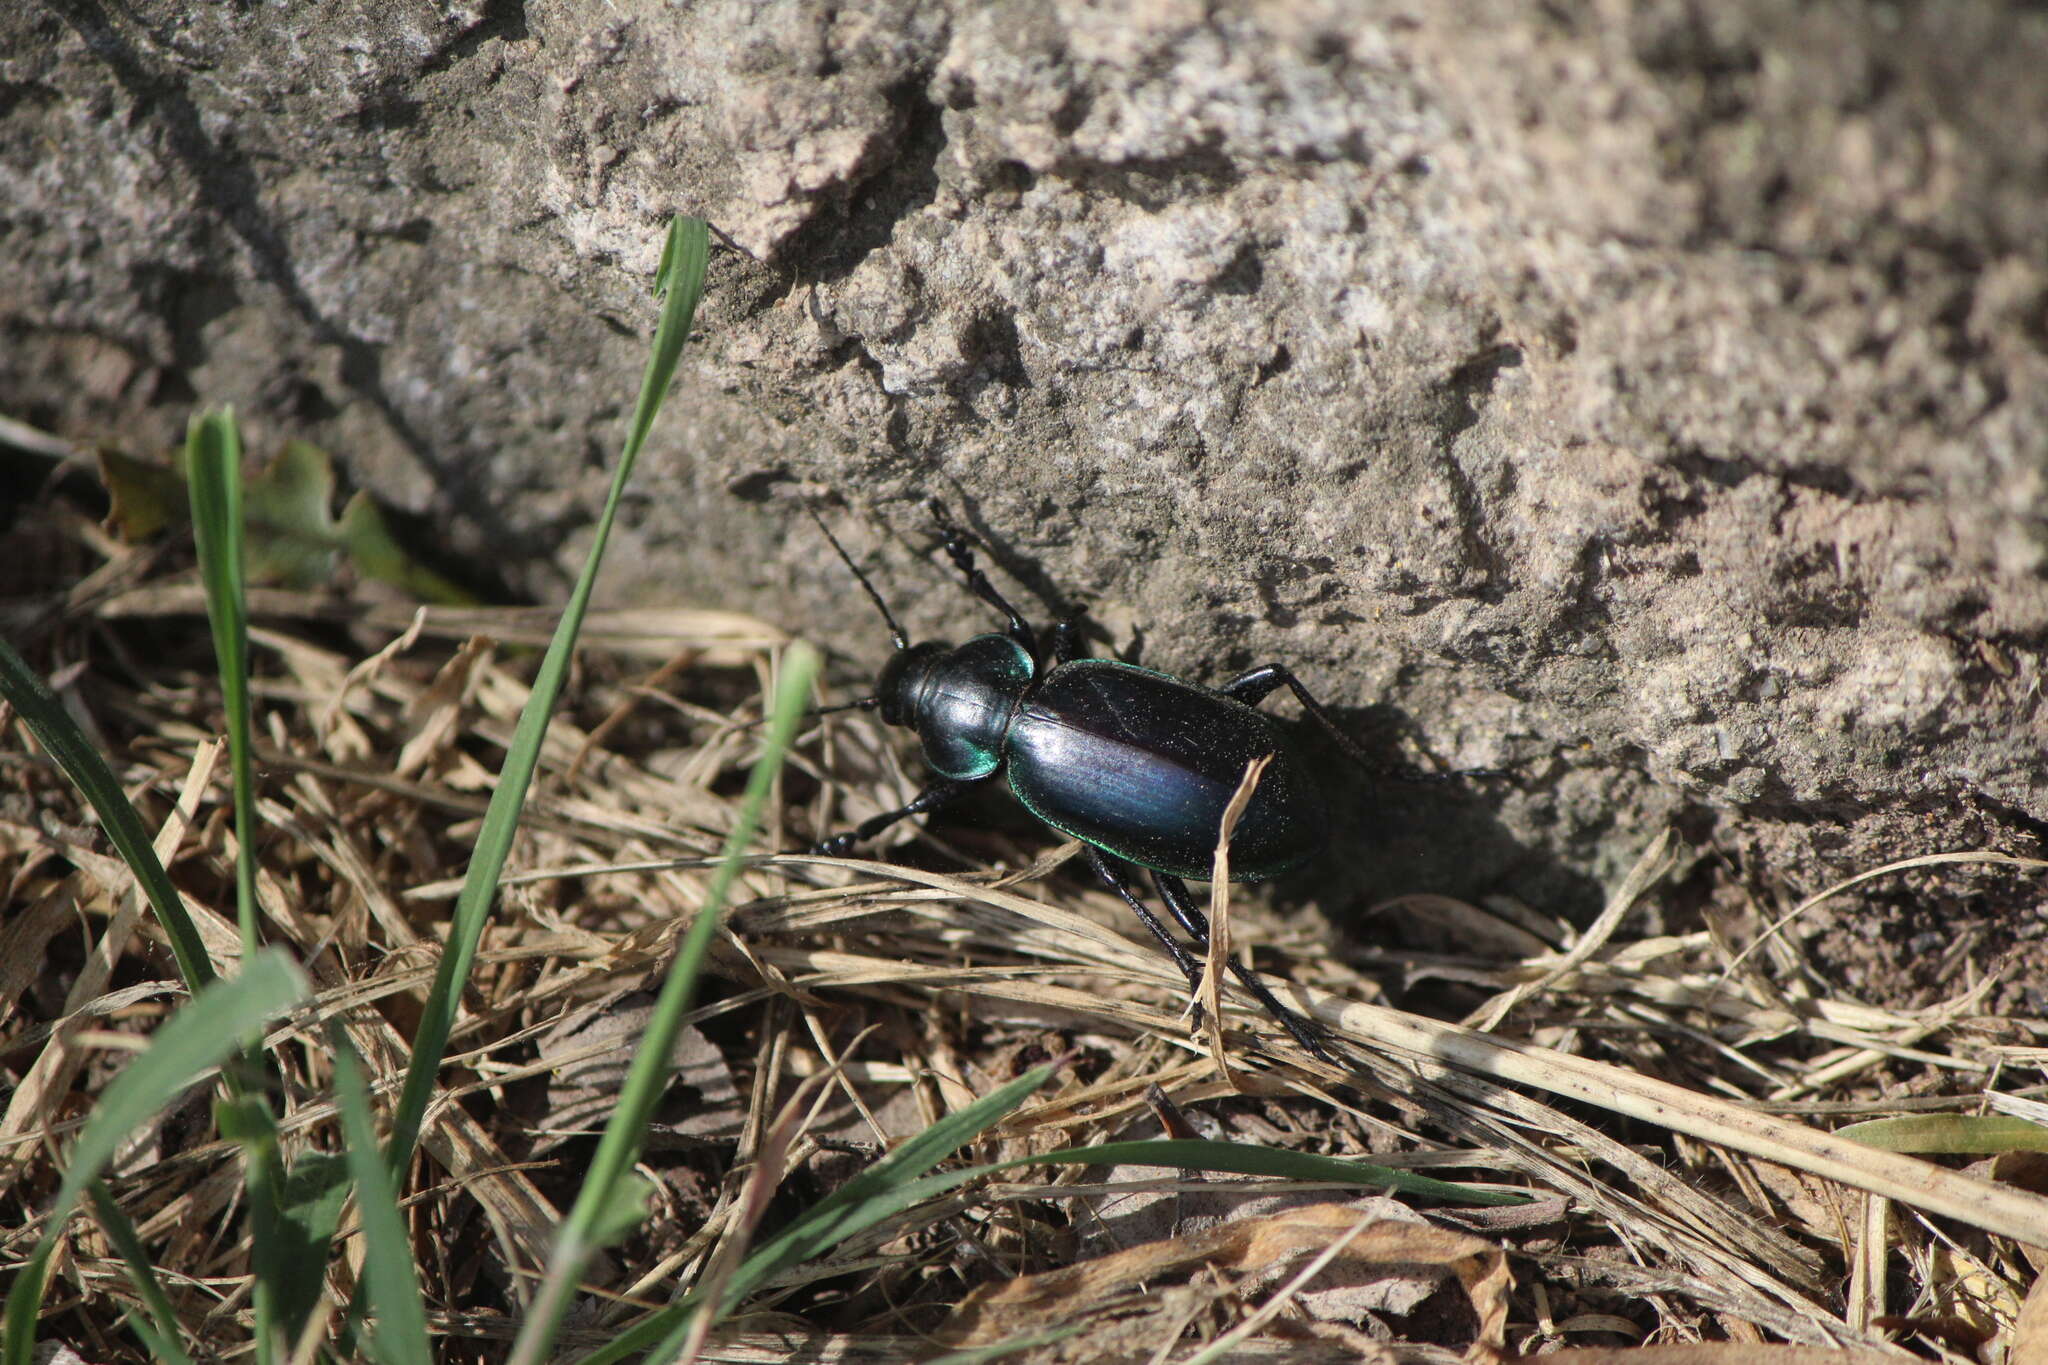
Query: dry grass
(1665,1100)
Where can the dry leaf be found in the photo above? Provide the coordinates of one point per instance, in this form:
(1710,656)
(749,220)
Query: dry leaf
(2030,1330)
(1255,1247)
(589,1053)
(1716,1353)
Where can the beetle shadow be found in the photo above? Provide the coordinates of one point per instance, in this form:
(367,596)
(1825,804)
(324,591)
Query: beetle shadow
(1398,830)
(1402,832)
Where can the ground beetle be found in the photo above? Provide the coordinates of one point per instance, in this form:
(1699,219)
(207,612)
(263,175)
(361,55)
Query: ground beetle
(1136,765)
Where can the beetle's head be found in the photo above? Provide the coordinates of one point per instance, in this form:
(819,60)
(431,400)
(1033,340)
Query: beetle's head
(903,681)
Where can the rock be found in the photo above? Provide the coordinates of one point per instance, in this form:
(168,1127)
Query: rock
(1655,404)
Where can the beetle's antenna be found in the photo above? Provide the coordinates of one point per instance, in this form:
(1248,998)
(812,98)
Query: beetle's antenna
(864,704)
(895,631)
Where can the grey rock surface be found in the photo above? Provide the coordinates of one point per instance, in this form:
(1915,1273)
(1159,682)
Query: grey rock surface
(1652,399)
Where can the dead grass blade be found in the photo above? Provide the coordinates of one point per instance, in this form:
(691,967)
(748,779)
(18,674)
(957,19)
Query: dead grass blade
(1977,1203)
(1209,995)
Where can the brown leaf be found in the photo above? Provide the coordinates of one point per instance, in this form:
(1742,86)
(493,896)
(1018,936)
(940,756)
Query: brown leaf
(1715,1353)
(590,1052)
(2030,1331)
(1251,1247)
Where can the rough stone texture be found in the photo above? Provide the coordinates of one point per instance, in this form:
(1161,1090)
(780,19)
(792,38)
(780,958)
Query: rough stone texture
(1653,398)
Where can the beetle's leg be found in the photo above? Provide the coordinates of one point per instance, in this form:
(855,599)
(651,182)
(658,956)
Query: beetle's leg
(931,798)
(960,550)
(1113,877)
(1254,687)
(1174,892)
(1067,644)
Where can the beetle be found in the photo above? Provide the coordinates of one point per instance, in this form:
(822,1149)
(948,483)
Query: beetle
(1136,764)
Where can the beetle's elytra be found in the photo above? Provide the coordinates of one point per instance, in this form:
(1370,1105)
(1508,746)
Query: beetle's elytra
(1142,765)
(1137,765)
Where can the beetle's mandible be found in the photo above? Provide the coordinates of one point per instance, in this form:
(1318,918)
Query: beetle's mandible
(1137,765)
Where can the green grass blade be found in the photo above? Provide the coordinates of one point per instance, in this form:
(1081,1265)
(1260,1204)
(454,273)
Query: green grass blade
(197,1038)
(895,1183)
(213,476)
(889,1188)
(858,1206)
(681,281)
(1236,1158)
(287,1211)
(1029,1341)
(213,470)
(67,745)
(400,1334)
(243,1116)
(652,1070)
(300,1237)
(160,1330)
(608,1205)
(884,1189)
(153,1341)
(1949,1134)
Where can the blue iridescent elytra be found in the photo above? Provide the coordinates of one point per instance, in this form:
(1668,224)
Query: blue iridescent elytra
(1143,765)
